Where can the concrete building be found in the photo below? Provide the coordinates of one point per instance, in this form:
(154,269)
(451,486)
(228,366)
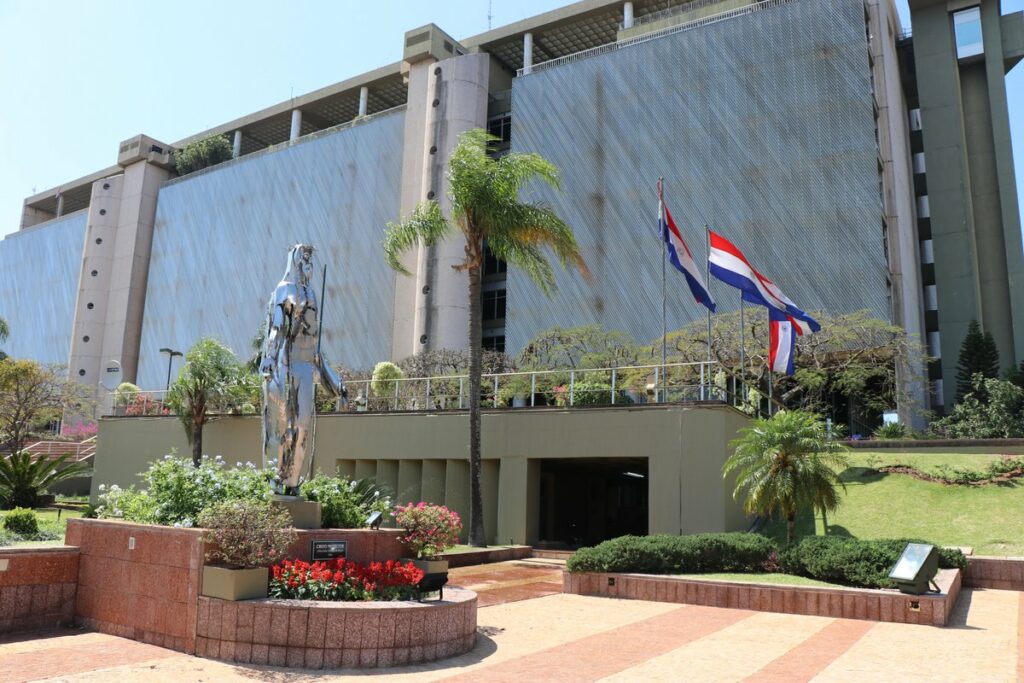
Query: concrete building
(549,475)
(798,128)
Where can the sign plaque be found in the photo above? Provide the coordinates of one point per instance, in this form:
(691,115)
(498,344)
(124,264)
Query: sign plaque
(328,550)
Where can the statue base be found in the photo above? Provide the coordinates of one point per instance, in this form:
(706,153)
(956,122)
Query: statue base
(305,514)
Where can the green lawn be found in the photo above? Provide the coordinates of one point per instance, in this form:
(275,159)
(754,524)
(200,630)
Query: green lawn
(48,522)
(880,505)
(456,550)
(781,579)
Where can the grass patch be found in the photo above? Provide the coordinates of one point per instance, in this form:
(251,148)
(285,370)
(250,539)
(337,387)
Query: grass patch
(459,549)
(779,579)
(929,463)
(880,505)
(51,529)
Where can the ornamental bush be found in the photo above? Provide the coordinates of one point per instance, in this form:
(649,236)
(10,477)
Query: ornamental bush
(854,562)
(429,529)
(339,505)
(244,534)
(202,153)
(664,554)
(21,521)
(175,492)
(341,580)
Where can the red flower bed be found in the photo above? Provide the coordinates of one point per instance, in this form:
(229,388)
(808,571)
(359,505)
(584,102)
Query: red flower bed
(340,579)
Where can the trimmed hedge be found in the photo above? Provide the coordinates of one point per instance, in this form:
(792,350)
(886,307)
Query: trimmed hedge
(845,561)
(21,521)
(855,562)
(700,553)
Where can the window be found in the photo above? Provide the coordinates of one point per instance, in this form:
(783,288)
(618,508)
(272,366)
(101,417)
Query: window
(494,304)
(492,264)
(494,343)
(967,29)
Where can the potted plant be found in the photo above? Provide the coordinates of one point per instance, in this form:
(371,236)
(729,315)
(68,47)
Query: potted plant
(243,539)
(429,531)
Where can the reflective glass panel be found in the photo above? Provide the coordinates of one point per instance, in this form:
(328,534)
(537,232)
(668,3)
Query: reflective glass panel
(967,27)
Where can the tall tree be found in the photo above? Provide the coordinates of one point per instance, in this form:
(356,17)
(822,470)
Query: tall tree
(211,379)
(485,206)
(786,462)
(5,332)
(978,355)
(31,395)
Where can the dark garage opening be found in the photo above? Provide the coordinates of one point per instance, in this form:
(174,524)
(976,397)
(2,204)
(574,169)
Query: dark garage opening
(584,501)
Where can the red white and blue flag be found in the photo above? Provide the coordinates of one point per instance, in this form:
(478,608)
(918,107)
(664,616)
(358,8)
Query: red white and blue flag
(728,264)
(782,332)
(680,257)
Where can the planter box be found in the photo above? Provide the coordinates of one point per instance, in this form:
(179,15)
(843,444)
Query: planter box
(235,584)
(430,566)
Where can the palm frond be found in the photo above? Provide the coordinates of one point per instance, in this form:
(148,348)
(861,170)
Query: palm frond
(426,224)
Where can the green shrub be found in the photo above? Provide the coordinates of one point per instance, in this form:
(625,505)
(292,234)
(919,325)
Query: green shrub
(854,562)
(202,153)
(21,521)
(125,393)
(892,430)
(384,380)
(701,553)
(339,505)
(175,492)
(245,534)
(591,394)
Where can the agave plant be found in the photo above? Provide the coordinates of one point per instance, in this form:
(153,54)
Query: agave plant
(22,477)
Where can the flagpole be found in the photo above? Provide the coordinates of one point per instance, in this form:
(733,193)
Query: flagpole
(743,345)
(769,359)
(707,270)
(664,278)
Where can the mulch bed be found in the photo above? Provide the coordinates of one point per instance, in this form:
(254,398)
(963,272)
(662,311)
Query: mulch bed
(924,476)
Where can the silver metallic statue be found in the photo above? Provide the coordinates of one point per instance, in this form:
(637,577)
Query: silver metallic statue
(291,366)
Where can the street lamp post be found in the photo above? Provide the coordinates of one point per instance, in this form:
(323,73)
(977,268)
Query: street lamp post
(171,353)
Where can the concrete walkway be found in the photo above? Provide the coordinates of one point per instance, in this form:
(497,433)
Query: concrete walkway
(530,631)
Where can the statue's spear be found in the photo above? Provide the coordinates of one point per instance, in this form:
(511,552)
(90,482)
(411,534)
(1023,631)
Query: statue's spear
(320,322)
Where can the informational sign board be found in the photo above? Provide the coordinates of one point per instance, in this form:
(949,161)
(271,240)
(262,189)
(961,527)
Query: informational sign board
(911,561)
(328,550)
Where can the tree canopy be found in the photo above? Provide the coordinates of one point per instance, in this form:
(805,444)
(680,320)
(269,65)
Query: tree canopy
(32,395)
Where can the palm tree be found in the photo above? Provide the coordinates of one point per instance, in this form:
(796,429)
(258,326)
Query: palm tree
(485,206)
(786,462)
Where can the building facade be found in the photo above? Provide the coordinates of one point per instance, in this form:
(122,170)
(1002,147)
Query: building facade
(862,167)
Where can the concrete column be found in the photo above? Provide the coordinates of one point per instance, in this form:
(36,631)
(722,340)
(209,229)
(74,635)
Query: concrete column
(627,15)
(296,124)
(456,492)
(527,52)
(236,147)
(518,500)
(364,96)
(115,263)
(60,205)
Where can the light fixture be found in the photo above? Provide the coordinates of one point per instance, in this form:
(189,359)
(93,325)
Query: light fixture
(916,568)
(373,521)
(635,475)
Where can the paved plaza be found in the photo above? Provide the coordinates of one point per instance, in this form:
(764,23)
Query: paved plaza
(529,630)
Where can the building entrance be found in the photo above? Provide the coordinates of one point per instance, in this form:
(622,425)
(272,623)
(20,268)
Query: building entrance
(584,501)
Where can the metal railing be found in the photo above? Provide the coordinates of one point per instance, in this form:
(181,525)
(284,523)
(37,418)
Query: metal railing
(670,12)
(54,449)
(672,383)
(653,35)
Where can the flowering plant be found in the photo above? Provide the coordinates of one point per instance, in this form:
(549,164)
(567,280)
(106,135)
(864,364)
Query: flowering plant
(79,431)
(247,534)
(340,579)
(429,529)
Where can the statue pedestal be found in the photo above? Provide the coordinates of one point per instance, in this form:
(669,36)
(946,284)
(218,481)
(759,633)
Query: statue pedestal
(305,514)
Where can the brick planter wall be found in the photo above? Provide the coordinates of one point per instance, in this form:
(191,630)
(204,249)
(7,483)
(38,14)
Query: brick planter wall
(487,555)
(147,593)
(37,588)
(846,603)
(150,593)
(1004,573)
(316,635)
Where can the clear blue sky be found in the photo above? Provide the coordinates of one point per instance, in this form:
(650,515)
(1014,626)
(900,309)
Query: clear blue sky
(79,76)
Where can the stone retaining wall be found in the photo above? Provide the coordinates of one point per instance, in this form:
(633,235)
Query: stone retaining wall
(37,588)
(317,635)
(1004,573)
(846,603)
